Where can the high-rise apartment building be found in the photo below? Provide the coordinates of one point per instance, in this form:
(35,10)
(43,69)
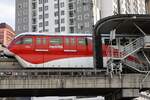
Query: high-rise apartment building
(147,2)
(104,8)
(66,16)
(41,16)
(6,34)
(69,16)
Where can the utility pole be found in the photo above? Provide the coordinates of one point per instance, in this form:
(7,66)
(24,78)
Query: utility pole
(118,2)
(43,16)
(58,16)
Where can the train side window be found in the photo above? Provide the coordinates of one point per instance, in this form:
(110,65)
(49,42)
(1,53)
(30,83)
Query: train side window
(73,41)
(19,41)
(27,41)
(67,41)
(44,40)
(56,41)
(38,41)
(81,41)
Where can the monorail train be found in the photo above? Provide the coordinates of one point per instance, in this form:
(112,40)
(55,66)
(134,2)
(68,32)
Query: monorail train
(41,50)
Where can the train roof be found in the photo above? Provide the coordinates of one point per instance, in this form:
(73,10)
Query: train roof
(48,34)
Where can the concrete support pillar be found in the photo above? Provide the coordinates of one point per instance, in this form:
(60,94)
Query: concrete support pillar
(123,94)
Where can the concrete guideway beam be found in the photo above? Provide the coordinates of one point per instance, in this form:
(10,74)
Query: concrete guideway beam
(44,85)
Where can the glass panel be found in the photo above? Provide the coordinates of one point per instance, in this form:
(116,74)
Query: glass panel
(44,40)
(73,41)
(38,40)
(67,41)
(55,41)
(18,41)
(81,41)
(27,41)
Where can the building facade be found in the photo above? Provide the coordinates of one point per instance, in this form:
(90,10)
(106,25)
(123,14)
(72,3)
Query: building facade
(66,16)
(6,34)
(147,2)
(42,16)
(70,16)
(105,8)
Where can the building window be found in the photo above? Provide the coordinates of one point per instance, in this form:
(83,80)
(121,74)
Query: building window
(62,4)
(80,17)
(34,13)
(80,26)
(24,19)
(46,15)
(46,8)
(46,23)
(45,1)
(55,6)
(40,24)
(56,21)
(25,12)
(71,29)
(62,20)
(63,28)
(70,0)
(71,14)
(25,5)
(19,20)
(86,24)
(62,12)
(70,5)
(79,1)
(71,21)
(57,29)
(46,30)
(56,13)
(33,21)
(34,5)
(41,31)
(40,9)
(25,27)
(20,6)
(19,28)
(40,1)
(86,16)
(40,16)
(79,9)
(86,8)
(19,13)
(34,28)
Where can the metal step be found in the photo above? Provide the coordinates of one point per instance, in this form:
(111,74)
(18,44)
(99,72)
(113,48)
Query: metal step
(130,49)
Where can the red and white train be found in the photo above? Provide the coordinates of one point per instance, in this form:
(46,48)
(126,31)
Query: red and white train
(41,50)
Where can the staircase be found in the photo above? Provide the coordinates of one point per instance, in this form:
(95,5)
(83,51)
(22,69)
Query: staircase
(118,57)
(129,49)
(139,67)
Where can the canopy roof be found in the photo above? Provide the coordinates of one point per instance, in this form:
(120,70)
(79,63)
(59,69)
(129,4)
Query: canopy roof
(131,24)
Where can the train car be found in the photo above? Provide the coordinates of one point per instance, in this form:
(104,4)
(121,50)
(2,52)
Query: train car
(42,50)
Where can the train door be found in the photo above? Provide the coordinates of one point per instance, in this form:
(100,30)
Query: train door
(86,60)
(70,51)
(82,45)
(41,48)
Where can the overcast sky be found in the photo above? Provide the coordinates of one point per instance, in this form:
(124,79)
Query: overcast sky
(7,12)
